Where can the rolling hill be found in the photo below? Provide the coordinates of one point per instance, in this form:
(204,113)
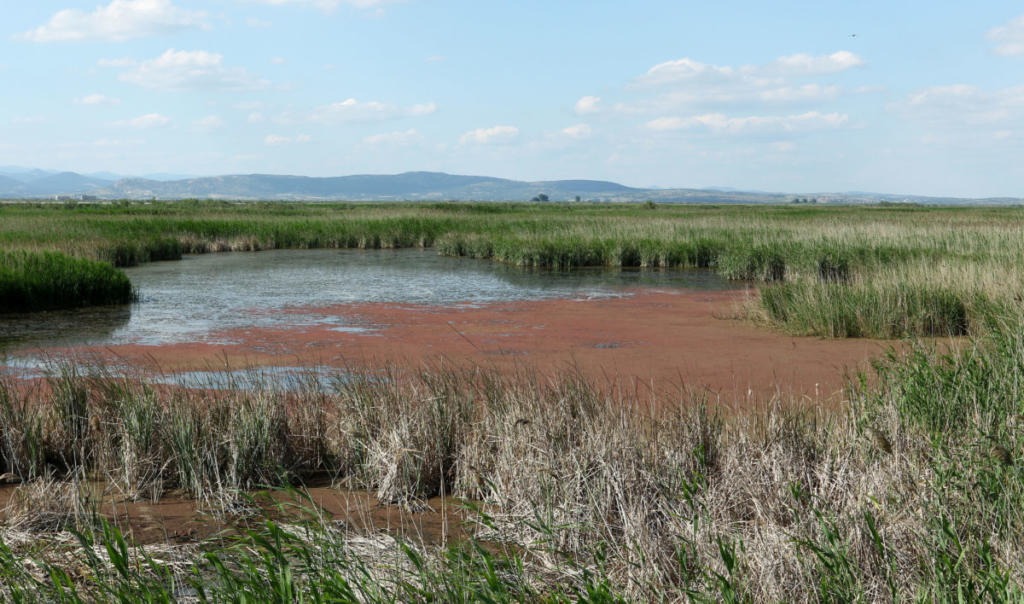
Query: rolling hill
(29,183)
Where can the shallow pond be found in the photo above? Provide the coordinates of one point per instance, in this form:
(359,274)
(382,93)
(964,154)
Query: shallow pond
(199,297)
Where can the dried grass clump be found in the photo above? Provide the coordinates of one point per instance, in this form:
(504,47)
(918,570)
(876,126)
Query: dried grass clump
(48,505)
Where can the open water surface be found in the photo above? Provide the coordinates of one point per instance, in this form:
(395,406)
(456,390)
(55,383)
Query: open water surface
(204,297)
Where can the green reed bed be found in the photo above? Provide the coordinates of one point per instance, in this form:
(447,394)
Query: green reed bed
(914,491)
(829,267)
(31,281)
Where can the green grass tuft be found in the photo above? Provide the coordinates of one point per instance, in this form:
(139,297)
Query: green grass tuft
(33,281)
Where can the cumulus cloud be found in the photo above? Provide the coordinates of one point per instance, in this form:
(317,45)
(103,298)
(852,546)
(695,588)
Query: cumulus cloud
(720,123)
(121,62)
(191,70)
(209,123)
(423,109)
(960,104)
(945,95)
(588,104)
(326,5)
(807,92)
(352,110)
(577,131)
(687,70)
(273,140)
(149,120)
(97,99)
(118,21)
(393,138)
(492,135)
(1009,38)
(117,142)
(803,64)
(690,85)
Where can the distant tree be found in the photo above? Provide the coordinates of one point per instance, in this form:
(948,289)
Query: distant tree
(577,199)
(650,205)
(541,197)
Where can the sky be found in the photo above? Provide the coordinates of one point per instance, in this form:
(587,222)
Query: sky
(897,97)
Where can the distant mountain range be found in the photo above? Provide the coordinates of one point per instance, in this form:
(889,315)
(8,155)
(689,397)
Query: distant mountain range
(30,183)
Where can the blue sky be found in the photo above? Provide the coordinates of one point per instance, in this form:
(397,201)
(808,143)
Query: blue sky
(924,98)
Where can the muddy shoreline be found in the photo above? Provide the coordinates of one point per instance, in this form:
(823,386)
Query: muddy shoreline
(658,339)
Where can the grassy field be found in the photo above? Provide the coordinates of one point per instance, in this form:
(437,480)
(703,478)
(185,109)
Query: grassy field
(831,271)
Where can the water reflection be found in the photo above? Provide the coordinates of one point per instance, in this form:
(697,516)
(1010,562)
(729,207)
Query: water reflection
(62,327)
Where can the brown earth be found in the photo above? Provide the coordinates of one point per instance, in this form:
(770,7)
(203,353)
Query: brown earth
(649,339)
(180,520)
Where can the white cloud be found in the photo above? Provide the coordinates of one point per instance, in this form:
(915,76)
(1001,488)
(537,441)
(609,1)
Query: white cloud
(326,5)
(492,135)
(278,60)
(688,71)
(254,22)
(720,123)
(578,131)
(149,120)
(783,146)
(423,109)
(209,123)
(274,140)
(198,69)
(868,89)
(393,138)
(943,94)
(964,104)
(588,104)
(122,62)
(97,99)
(803,64)
(27,120)
(807,92)
(256,118)
(690,86)
(118,21)
(1009,38)
(116,142)
(435,58)
(352,110)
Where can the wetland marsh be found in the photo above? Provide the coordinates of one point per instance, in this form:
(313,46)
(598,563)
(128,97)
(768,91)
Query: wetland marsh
(481,364)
